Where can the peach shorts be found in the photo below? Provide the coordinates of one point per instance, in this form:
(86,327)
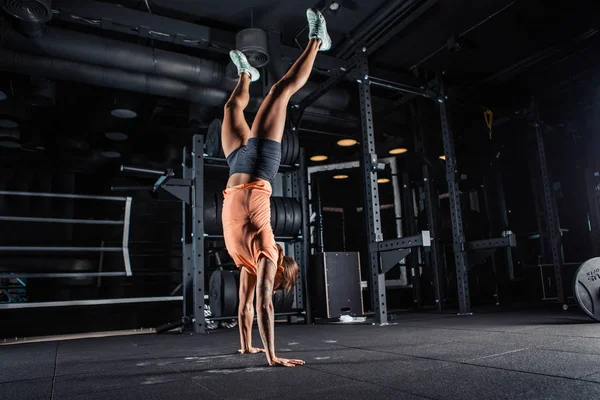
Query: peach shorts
(247,224)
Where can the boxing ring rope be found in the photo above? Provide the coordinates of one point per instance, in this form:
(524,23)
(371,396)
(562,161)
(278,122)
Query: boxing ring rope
(125,222)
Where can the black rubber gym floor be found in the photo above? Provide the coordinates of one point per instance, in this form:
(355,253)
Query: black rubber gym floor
(512,355)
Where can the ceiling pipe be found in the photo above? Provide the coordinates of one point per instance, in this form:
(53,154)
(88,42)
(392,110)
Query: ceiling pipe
(377,21)
(59,69)
(55,68)
(96,50)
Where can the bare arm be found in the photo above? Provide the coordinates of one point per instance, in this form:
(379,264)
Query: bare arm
(266,271)
(246,311)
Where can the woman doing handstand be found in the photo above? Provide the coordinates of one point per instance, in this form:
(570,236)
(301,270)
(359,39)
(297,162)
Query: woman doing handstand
(254,156)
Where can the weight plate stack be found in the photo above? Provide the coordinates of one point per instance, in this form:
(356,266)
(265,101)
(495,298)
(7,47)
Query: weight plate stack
(587,287)
(223,293)
(213,139)
(283,301)
(280,219)
(273,214)
(297,216)
(295,149)
(211,222)
(286,215)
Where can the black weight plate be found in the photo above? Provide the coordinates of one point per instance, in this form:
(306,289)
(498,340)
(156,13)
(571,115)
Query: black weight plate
(284,147)
(219,212)
(295,149)
(280,221)
(278,301)
(290,147)
(587,287)
(214,290)
(223,294)
(289,216)
(273,215)
(211,224)
(288,301)
(230,294)
(297,216)
(214,147)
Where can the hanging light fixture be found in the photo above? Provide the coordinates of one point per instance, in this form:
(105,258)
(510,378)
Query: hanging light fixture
(319,158)
(398,150)
(346,142)
(442,157)
(383,180)
(340,177)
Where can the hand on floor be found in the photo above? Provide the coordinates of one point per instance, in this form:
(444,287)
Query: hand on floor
(251,350)
(284,362)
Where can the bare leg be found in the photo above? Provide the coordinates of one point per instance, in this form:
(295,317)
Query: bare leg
(270,119)
(235,130)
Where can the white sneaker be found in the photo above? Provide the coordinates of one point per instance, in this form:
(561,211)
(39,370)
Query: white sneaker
(317,28)
(242,64)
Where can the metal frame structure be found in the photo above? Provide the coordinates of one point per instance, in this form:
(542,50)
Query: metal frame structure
(190,190)
(458,236)
(124,249)
(549,206)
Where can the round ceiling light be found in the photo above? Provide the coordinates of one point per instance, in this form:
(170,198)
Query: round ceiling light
(340,177)
(8,124)
(111,154)
(123,113)
(346,142)
(116,136)
(443,158)
(318,158)
(398,150)
(334,6)
(383,180)
(3,96)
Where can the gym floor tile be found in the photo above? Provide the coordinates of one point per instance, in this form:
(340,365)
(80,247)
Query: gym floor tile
(572,329)
(575,345)
(181,390)
(450,351)
(364,391)
(90,366)
(465,382)
(27,361)
(107,343)
(263,381)
(371,366)
(516,341)
(33,389)
(548,362)
(113,379)
(562,389)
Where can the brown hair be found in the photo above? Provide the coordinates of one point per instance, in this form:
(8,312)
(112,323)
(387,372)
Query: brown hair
(289,276)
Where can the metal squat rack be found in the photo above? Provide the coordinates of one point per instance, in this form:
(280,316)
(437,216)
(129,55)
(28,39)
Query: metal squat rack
(357,67)
(190,190)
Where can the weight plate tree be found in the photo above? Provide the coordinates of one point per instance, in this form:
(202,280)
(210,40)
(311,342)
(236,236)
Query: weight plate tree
(587,287)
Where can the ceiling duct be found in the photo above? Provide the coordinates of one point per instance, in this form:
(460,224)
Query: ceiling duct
(158,64)
(254,44)
(31,14)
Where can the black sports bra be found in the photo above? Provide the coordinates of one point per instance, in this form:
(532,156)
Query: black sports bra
(258,157)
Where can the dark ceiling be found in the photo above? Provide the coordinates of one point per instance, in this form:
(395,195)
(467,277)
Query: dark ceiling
(513,49)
